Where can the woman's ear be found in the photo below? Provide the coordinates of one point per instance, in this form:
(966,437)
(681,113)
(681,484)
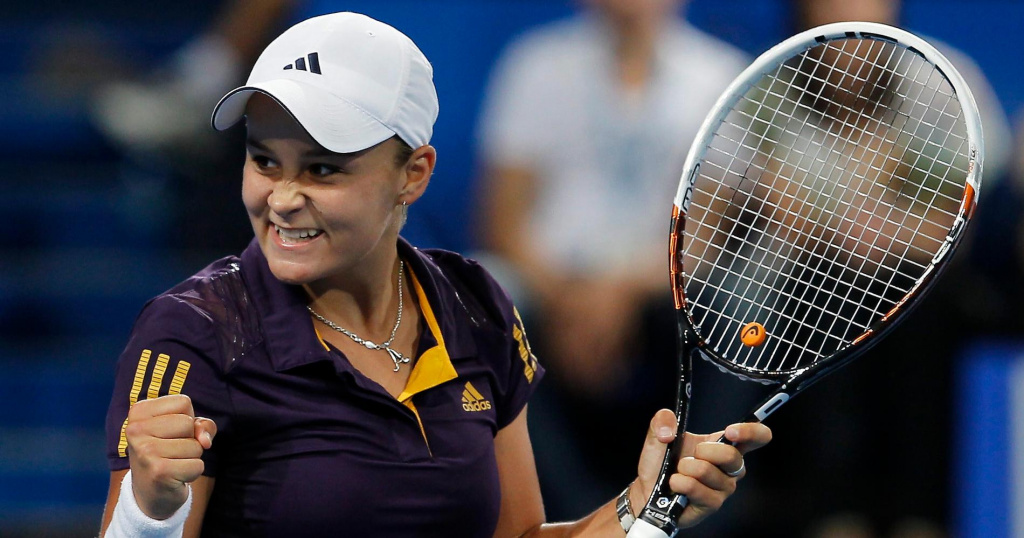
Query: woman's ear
(418,170)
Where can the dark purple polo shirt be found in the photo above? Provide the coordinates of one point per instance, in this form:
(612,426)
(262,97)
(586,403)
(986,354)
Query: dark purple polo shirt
(307,445)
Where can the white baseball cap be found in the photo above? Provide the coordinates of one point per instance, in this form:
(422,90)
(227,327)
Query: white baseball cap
(349,80)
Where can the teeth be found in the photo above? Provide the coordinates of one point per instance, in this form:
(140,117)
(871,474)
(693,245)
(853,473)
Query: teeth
(297,234)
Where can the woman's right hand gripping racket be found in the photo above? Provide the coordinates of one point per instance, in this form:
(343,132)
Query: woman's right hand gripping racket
(823,196)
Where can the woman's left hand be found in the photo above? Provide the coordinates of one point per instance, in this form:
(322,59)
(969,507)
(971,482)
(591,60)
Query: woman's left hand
(703,471)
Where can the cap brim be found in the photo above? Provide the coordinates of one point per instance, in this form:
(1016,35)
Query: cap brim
(329,119)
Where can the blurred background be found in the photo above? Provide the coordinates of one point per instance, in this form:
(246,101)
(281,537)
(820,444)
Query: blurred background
(115,189)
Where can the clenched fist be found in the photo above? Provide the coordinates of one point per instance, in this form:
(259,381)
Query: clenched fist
(165,443)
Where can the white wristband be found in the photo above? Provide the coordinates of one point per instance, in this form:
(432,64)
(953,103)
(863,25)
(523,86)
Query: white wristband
(129,521)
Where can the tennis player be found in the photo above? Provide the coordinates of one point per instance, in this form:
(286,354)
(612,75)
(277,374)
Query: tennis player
(333,380)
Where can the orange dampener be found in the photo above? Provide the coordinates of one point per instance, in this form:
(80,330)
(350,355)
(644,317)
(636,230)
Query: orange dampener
(753,334)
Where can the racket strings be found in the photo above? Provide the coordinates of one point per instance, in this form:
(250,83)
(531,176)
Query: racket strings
(772,156)
(890,210)
(819,206)
(833,292)
(791,243)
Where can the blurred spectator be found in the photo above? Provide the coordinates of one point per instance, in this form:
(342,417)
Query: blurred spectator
(70,311)
(161,120)
(1018,190)
(584,133)
(895,403)
(998,138)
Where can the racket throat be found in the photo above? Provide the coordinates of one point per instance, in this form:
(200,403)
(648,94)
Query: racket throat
(768,407)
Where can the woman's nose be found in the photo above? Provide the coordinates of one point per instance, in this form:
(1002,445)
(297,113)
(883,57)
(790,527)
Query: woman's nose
(286,197)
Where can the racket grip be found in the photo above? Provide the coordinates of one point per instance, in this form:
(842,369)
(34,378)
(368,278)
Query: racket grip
(660,515)
(644,529)
(725,441)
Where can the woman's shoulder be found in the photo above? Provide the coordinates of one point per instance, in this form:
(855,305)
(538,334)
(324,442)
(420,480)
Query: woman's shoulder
(216,283)
(473,288)
(211,302)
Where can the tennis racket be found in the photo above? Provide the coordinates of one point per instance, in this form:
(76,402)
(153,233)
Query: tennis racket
(821,199)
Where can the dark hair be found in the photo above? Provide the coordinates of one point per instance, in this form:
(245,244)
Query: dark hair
(403,153)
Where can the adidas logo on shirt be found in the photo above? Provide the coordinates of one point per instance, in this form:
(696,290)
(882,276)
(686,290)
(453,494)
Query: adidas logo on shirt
(472,400)
(301,64)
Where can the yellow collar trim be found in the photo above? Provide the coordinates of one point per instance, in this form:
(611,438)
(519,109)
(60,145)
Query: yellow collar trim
(434,366)
(321,338)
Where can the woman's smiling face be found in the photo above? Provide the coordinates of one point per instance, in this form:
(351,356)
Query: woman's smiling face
(318,214)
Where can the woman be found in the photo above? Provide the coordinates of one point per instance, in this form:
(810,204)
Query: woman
(354,385)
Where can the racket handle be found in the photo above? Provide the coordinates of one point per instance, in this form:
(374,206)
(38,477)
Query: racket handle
(643,529)
(725,441)
(661,518)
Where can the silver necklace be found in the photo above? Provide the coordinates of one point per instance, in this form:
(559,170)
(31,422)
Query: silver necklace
(397,357)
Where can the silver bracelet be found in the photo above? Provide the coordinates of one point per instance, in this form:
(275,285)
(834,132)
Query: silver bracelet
(624,509)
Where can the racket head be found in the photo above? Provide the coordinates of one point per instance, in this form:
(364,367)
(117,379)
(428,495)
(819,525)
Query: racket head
(824,194)
(822,197)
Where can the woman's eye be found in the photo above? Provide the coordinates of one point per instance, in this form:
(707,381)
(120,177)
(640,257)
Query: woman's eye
(262,161)
(323,170)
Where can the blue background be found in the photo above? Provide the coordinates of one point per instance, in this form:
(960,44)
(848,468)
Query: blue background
(87,238)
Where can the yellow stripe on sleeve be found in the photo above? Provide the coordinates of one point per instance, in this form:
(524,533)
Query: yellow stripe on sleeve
(133,396)
(140,374)
(158,375)
(122,444)
(180,373)
(529,367)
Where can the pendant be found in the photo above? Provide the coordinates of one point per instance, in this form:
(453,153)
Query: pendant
(396,357)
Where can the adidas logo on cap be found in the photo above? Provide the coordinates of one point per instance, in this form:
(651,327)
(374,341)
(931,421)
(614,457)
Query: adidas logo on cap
(300,63)
(372,83)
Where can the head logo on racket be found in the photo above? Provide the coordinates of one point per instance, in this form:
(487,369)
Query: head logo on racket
(753,334)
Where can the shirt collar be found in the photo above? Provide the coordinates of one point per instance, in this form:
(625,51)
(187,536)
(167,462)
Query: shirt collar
(292,341)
